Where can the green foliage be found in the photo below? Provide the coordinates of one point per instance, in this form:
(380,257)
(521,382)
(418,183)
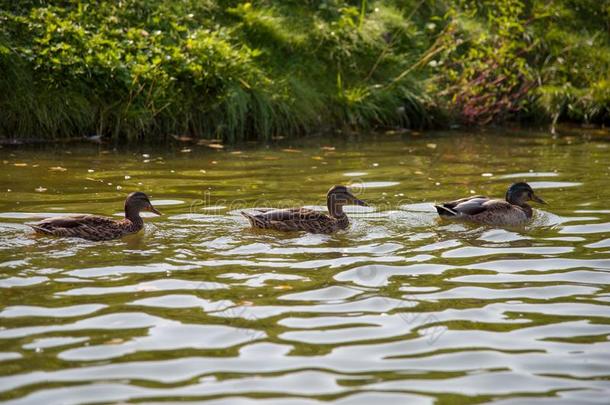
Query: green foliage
(525,59)
(574,60)
(484,50)
(251,70)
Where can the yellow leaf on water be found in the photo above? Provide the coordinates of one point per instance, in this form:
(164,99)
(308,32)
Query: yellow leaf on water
(317,158)
(183,138)
(57,169)
(20,164)
(214,145)
(327,148)
(283,287)
(431,145)
(114,341)
(291,150)
(40,189)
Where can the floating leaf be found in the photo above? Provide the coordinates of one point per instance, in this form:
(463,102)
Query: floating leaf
(40,189)
(183,138)
(57,169)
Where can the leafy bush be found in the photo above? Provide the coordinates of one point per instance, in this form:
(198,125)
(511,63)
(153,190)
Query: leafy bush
(251,70)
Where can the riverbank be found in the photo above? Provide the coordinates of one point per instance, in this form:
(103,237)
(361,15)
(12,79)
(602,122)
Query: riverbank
(235,71)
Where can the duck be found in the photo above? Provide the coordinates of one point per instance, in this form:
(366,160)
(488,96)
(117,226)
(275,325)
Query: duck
(512,211)
(308,220)
(98,228)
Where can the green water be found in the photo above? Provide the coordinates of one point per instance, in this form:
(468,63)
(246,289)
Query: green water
(400,308)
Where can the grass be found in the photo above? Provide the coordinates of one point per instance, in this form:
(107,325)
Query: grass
(234,70)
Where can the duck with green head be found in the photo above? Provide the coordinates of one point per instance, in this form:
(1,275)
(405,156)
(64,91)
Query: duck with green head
(305,219)
(94,227)
(512,211)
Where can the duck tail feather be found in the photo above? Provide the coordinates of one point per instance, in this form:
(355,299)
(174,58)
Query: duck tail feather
(39,229)
(445,211)
(248,216)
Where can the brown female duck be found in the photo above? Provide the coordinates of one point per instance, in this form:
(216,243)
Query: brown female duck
(93,227)
(513,211)
(304,219)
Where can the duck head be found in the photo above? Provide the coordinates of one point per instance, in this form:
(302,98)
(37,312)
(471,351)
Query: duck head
(521,193)
(338,196)
(137,202)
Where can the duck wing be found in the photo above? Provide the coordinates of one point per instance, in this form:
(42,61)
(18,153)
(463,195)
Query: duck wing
(91,227)
(464,206)
(473,206)
(292,219)
(291,214)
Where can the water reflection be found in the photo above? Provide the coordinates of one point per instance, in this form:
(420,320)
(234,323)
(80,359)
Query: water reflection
(402,307)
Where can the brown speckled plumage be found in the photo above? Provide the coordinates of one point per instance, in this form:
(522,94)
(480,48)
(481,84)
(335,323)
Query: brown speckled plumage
(96,228)
(304,219)
(512,211)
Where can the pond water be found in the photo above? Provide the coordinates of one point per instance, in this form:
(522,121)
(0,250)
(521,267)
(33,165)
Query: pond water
(401,307)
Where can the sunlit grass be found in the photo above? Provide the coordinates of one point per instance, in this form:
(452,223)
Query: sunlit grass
(237,70)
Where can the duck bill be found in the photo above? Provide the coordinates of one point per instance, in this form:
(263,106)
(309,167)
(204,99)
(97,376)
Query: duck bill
(358,201)
(153,210)
(538,199)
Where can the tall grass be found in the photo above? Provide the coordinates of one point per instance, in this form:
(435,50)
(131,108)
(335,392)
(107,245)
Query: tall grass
(235,70)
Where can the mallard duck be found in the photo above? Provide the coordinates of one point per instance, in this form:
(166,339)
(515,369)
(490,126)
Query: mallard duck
(94,227)
(304,219)
(510,212)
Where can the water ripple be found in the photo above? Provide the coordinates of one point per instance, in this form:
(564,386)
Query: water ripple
(400,308)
